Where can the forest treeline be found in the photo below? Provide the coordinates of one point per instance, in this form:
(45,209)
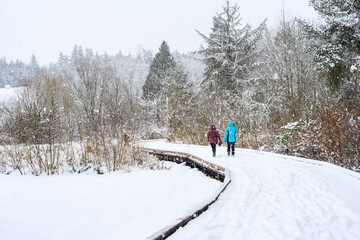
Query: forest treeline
(292,88)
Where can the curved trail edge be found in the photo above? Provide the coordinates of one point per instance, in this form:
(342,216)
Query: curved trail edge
(208,168)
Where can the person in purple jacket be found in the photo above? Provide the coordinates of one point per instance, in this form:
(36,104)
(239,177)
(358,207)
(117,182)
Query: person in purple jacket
(213,136)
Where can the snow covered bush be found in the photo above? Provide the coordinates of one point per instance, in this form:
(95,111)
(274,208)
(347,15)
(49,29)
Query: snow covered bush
(74,157)
(288,131)
(338,135)
(332,137)
(76,116)
(262,141)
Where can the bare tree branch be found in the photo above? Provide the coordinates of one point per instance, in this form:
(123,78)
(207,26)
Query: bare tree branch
(352,6)
(316,5)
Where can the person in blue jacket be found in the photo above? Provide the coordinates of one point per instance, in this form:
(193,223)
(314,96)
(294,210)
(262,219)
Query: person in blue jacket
(229,137)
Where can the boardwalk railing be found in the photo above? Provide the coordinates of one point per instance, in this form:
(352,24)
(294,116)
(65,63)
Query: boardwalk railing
(208,168)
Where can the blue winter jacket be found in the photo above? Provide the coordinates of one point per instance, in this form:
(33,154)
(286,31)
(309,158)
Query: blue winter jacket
(230,132)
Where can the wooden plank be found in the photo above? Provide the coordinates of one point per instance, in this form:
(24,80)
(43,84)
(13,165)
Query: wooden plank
(169,231)
(186,154)
(206,167)
(202,166)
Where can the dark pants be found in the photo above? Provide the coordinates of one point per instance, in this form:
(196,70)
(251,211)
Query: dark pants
(232,145)
(213,147)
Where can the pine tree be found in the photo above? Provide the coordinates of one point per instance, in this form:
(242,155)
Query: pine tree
(155,84)
(338,38)
(63,60)
(231,50)
(3,71)
(33,66)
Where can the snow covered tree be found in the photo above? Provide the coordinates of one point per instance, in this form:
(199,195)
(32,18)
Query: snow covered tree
(155,84)
(181,106)
(63,61)
(36,115)
(231,51)
(91,76)
(16,73)
(290,82)
(3,71)
(338,38)
(33,66)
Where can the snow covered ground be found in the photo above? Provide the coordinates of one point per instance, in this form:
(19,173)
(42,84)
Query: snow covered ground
(127,206)
(7,94)
(273,196)
(270,197)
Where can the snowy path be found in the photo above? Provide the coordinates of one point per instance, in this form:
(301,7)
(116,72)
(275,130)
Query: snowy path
(276,197)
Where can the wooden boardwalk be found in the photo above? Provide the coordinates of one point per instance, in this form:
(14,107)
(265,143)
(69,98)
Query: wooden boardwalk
(209,169)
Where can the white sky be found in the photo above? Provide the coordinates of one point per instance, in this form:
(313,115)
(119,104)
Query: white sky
(46,27)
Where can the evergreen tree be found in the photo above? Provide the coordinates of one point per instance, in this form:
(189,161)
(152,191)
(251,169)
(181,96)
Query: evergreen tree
(155,84)
(33,67)
(231,50)
(63,60)
(17,72)
(338,38)
(3,71)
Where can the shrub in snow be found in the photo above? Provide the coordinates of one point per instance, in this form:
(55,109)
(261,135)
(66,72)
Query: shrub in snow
(333,137)
(355,70)
(95,156)
(288,131)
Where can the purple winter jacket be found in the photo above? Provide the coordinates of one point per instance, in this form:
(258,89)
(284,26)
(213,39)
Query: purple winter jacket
(213,135)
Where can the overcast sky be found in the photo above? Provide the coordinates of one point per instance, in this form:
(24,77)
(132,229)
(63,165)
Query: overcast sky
(46,27)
